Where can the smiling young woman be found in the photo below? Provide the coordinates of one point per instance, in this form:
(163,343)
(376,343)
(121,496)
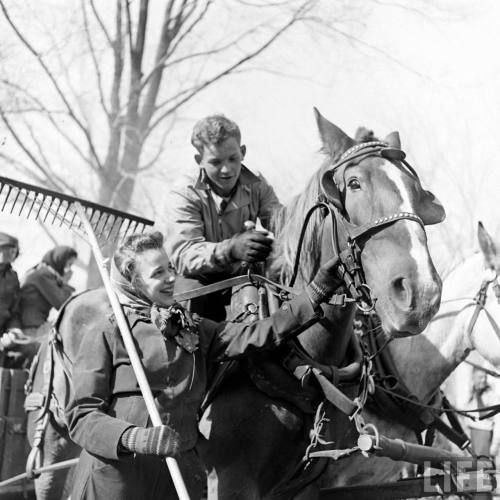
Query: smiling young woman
(108,416)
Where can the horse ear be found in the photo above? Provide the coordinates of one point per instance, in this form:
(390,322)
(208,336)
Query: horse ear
(431,210)
(487,246)
(335,141)
(393,140)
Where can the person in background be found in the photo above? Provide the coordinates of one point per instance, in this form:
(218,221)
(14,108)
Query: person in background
(485,434)
(45,286)
(207,240)
(10,318)
(107,415)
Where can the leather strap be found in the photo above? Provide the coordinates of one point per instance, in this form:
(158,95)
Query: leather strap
(334,395)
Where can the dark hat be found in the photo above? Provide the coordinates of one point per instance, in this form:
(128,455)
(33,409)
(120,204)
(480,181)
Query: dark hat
(8,240)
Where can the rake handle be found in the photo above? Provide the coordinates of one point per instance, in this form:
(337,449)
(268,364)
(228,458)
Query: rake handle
(172,465)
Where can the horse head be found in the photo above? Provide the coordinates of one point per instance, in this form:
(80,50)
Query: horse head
(379,210)
(481,322)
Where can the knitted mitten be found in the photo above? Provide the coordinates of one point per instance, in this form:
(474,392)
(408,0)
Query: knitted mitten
(161,440)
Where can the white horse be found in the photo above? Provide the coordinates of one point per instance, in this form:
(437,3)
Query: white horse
(425,361)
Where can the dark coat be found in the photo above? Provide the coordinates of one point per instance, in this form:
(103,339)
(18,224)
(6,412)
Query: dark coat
(42,290)
(107,399)
(9,299)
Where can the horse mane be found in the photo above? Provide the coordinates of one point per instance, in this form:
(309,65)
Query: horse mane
(287,224)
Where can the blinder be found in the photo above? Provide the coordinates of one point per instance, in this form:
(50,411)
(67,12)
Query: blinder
(430,209)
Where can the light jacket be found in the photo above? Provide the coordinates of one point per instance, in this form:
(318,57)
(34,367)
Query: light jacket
(198,232)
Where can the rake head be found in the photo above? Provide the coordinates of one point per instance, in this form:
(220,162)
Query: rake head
(110,225)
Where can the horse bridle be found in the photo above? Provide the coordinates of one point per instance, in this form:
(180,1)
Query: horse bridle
(350,268)
(480,304)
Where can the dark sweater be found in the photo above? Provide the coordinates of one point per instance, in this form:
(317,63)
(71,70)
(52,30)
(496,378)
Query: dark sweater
(42,290)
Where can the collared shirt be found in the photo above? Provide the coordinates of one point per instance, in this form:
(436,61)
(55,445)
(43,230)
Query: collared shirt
(200,225)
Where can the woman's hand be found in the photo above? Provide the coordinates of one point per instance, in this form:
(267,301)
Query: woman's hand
(326,281)
(161,440)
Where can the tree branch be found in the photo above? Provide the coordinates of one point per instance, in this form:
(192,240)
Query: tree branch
(94,59)
(48,113)
(31,156)
(190,93)
(101,24)
(56,86)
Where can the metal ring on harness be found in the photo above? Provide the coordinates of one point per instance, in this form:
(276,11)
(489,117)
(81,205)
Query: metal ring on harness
(370,305)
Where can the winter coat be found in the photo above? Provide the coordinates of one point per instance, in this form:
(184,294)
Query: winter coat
(198,231)
(9,299)
(42,290)
(107,399)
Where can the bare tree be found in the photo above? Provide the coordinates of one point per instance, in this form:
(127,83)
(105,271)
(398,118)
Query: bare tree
(140,79)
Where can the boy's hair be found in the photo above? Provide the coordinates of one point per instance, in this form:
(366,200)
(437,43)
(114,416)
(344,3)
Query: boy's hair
(214,129)
(125,255)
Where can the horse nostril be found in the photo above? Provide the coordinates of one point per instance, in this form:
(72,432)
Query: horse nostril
(402,292)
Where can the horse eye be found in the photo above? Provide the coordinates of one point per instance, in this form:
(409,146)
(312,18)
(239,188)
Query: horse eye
(354,184)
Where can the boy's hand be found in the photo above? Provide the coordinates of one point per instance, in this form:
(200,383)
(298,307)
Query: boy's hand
(250,246)
(324,284)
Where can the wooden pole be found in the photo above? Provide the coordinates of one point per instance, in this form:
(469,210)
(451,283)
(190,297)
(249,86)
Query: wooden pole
(397,449)
(173,467)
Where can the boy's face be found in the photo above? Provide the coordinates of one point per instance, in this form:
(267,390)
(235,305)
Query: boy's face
(222,163)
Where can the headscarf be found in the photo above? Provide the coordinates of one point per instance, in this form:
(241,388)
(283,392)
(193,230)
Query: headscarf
(173,321)
(58,257)
(129,295)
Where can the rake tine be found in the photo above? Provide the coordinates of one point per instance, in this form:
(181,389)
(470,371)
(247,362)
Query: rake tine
(24,202)
(110,232)
(32,205)
(119,228)
(48,208)
(15,200)
(63,218)
(55,211)
(72,220)
(40,207)
(6,198)
(103,228)
(126,229)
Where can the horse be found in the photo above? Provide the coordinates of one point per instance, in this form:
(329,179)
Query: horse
(424,362)
(249,440)
(252,441)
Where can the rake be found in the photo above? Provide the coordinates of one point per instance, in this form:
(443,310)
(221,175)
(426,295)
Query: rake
(22,199)
(91,221)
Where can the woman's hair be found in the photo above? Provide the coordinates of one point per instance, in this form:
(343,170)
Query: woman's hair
(125,255)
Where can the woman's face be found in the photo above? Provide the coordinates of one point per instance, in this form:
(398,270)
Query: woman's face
(156,276)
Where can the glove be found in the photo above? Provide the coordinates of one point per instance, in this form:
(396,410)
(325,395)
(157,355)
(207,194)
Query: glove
(13,338)
(161,440)
(324,284)
(250,246)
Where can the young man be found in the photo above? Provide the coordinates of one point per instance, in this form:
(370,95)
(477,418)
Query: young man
(207,239)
